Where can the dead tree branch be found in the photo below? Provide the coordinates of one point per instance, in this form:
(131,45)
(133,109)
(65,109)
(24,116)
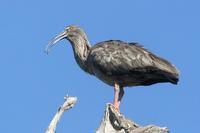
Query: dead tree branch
(114,122)
(68,103)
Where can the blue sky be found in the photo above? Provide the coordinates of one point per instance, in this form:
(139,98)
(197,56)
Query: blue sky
(33,84)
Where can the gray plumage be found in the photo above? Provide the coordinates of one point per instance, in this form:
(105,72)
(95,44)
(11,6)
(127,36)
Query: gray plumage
(115,61)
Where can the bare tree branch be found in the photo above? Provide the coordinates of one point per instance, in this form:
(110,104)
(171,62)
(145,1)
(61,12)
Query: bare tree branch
(114,122)
(68,103)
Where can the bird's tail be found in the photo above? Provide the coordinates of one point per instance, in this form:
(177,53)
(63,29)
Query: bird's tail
(173,79)
(173,75)
(170,71)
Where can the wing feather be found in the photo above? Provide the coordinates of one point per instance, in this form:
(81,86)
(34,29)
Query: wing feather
(119,58)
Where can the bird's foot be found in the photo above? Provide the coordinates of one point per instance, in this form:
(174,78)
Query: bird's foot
(115,106)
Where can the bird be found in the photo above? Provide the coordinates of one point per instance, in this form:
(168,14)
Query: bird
(117,63)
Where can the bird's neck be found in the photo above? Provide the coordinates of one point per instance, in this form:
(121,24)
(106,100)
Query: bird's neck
(81,48)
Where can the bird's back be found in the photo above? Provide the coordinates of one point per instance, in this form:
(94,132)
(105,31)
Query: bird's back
(129,64)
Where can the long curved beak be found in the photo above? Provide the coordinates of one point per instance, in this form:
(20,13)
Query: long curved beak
(52,42)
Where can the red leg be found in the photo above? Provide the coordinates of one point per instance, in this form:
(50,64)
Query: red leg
(118,94)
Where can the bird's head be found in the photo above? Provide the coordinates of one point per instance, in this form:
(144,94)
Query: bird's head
(71,33)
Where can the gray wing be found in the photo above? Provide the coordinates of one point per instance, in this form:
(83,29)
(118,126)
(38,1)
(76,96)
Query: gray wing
(120,58)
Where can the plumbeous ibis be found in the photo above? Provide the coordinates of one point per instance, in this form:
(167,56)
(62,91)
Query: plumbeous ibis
(117,63)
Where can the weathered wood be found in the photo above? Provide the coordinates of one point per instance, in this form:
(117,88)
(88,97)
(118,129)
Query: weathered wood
(68,103)
(114,122)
